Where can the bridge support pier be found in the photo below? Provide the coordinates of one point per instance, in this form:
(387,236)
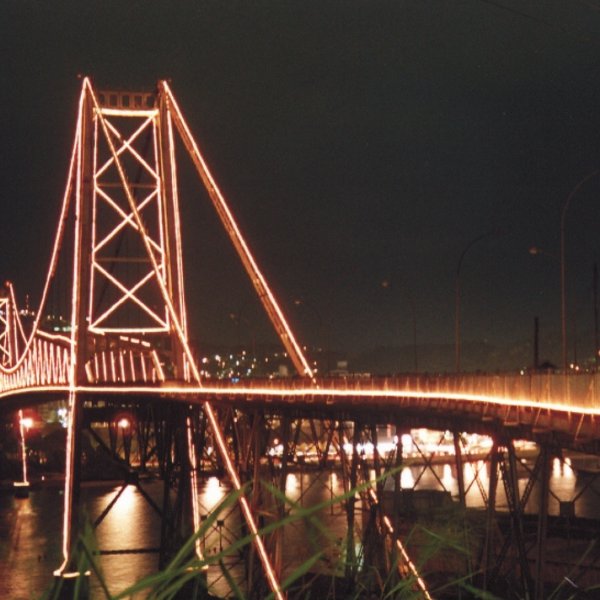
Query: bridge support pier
(178,446)
(350,481)
(460,472)
(542,531)
(72,585)
(176,430)
(279,482)
(257,586)
(490,538)
(71,566)
(511,485)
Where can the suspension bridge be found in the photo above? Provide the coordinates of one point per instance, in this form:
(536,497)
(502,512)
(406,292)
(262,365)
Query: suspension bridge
(125,350)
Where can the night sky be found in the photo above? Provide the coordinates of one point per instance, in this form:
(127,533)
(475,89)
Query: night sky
(362,144)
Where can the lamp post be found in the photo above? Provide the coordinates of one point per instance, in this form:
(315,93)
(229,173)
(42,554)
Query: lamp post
(537,251)
(457,296)
(22,487)
(563,274)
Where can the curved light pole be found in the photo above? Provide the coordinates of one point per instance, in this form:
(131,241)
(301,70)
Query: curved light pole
(563,274)
(537,251)
(457,296)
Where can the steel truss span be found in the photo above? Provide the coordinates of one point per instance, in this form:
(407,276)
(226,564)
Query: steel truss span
(123,349)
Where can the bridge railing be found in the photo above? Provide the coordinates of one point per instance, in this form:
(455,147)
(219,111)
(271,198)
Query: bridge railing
(579,392)
(46,364)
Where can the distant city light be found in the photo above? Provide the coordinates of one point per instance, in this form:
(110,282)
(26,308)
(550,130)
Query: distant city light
(61,413)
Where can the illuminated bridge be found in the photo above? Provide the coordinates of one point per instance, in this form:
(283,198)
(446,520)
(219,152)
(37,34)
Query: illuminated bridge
(123,365)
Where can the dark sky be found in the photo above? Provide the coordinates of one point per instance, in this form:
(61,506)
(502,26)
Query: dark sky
(359,142)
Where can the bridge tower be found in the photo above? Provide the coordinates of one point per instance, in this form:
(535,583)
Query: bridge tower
(128,318)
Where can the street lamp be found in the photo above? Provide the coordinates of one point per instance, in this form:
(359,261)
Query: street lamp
(537,251)
(563,276)
(457,295)
(22,487)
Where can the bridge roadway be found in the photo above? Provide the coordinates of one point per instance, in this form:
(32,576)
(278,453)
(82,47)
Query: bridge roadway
(566,406)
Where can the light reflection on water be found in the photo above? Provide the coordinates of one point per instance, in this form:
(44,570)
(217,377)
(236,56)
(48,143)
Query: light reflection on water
(447,476)
(130,524)
(30,528)
(213,493)
(407,479)
(292,486)
(29,543)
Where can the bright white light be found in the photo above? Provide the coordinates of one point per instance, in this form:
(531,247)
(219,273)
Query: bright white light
(276,450)
(406,478)
(62,416)
(447,478)
(556,467)
(27,422)
(124,423)
(334,482)
(384,447)
(569,472)
(213,493)
(292,485)
(468,471)
(126,502)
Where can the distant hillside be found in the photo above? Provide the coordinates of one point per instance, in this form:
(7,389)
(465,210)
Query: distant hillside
(440,358)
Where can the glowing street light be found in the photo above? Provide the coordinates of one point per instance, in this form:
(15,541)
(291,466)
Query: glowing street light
(124,423)
(26,422)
